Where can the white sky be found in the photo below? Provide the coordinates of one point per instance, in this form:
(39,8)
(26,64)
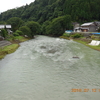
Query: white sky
(9,4)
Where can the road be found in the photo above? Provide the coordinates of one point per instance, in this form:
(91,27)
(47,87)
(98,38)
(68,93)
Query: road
(4,43)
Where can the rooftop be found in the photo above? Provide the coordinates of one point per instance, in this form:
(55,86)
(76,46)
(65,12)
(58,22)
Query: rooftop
(87,24)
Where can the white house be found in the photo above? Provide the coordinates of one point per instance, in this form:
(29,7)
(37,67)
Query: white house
(2,26)
(8,27)
(88,27)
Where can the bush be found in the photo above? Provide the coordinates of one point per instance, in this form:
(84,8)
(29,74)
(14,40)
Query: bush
(4,33)
(76,35)
(15,34)
(19,32)
(92,37)
(66,34)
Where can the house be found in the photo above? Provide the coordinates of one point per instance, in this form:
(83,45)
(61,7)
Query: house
(75,26)
(8,27)
(88,27)
(2,26)
(5,26)
(77,29)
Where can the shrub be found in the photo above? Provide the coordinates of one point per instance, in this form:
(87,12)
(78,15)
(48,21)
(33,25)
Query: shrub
(4,33)
(19,32)
(15,34)
(66,34)
(76,35)
(92,37)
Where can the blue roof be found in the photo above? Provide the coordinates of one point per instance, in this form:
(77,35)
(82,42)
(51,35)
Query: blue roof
(96,33)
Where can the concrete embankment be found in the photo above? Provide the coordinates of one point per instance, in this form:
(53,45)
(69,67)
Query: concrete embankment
(4,43)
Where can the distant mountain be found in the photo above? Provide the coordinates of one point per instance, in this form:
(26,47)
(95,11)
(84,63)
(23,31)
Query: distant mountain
(43,10)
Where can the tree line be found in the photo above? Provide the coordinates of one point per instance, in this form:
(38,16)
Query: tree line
(53,16)
(56,27)
(43,10)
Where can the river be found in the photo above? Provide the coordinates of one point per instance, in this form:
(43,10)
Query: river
(48,68)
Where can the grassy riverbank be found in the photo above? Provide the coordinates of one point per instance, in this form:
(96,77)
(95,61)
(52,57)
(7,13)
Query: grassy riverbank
(7,50)
(83,41)
(12,48)
(87,44)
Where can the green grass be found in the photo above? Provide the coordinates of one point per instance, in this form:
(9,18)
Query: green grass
(82,41)
(17,38)
(21,38)
(11,48)
(7,50)
(87,44)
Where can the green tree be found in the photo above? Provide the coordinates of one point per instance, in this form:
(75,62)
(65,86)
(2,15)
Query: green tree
(34,27)
(4,33)
(15,23)
(17,33)
(26,31)
(59,25)
(44,26)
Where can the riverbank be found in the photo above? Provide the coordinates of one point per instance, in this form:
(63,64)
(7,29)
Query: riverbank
(12,48)
(84,41)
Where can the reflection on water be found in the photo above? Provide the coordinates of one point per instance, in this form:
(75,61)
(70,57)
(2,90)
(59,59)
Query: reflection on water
(48,69)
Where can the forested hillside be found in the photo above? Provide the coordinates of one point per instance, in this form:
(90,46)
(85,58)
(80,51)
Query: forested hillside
(55,14)
(43,10)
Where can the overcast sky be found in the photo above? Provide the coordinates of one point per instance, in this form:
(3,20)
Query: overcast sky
(9,4)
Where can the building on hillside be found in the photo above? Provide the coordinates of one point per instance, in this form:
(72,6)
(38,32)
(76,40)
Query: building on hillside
(8,27)
(88,27)
(2,26)
(75,25)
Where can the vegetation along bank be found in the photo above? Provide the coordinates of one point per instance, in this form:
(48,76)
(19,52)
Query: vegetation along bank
(12,48)
(80,38)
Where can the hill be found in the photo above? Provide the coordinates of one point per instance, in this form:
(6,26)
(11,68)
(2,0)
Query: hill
(46,10)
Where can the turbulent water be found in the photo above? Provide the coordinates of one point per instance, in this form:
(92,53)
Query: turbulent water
(48,68)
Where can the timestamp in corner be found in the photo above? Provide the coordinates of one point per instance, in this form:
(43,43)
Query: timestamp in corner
(85,90)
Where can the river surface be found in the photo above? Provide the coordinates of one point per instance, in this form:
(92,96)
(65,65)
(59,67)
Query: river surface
(48,68)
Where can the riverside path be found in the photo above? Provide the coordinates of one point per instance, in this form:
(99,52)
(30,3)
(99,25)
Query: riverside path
(4,43)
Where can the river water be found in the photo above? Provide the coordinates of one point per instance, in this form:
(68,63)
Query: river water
(48,68)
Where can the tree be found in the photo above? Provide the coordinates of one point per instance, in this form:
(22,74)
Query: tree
(15,23)
(4,33)
(59,25)
(44,26)
(34,27)
(26,31)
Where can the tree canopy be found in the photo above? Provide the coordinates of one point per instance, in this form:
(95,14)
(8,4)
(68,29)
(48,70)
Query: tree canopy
(34,27)
(43,10)
(15,22)
(58,26)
